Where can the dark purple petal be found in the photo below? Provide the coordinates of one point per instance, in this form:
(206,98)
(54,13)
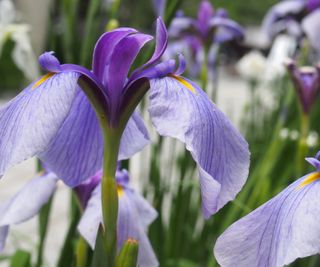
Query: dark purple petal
(312,5)
(180,109)
(307,84)
(104,48)
(121,59)
(161,45)
(205,13)
(4,230)
(226,29)
(30,121)
(280,231)
(49,62)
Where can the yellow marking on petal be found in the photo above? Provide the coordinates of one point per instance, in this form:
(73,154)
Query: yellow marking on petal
(120,191)
(43,79)
(183,82)
(309,179)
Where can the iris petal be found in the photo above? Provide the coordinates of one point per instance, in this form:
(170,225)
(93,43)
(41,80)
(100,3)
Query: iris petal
(26,203)
(280,231)
(130,224)
(219,150)
(31,120)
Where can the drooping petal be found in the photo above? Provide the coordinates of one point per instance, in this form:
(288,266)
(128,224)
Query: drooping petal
(226,29)
(310,25)
(29,200)
(280,11)
(76,152)
(129,225)
(178,108)
(4,230)
(31,120)
(182,25)
(280,231)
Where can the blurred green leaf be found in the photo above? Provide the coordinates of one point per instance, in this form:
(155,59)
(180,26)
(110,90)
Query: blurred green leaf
(21,258)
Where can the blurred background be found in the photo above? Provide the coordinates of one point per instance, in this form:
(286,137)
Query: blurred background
(248,81)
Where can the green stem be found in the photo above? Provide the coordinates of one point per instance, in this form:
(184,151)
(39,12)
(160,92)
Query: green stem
(302,144)
(204,73)
(109,193)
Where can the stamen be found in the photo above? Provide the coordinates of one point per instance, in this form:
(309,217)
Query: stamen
(183,82)
(120,190)
(42,79)
(309,179)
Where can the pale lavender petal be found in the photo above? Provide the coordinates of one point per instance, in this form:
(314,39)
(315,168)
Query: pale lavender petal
(4,230)
(29,200)
(134,138)
(31,120)
(226,29)
(129,225)
(220,151)
(280,231)
(280,11)
(76,152)
(159,6)
(310,25)
(181,25)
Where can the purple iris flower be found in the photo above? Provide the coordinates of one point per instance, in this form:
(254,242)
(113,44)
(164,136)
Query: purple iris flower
(53,119)
(280,231)
(202,34)
(307,84)
(297,18)
(134,216)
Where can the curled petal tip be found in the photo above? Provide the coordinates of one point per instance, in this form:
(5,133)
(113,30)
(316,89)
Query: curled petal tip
(49,62)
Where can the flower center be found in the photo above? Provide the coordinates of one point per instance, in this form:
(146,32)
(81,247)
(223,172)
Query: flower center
(42,79)
(310,179)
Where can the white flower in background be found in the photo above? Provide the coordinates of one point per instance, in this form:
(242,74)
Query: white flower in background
(283,47)
(22,53)
(312,139)
(252,66)
(284,133)
(294,135)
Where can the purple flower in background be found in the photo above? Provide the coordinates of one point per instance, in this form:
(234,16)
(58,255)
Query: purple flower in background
(26,203)
(306,81)
(203,34)
(280,231)
(53,119)
(159,7)
(296,17)
(134,216)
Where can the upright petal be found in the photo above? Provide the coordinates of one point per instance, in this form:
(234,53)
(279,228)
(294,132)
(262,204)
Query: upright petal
(104,48)
(29,200)
(280,231)
(178,108)
(4,230)
(30,121)
(205,13)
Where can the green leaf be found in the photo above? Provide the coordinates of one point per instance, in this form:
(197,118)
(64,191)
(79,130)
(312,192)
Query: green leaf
(128,254)
(99,254)
(21,259)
